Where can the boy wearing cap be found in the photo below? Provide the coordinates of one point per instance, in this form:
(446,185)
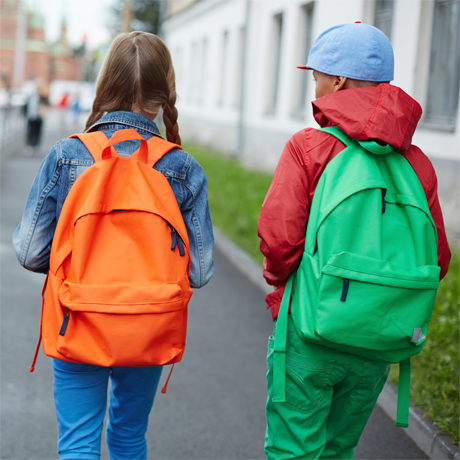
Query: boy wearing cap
(331,394)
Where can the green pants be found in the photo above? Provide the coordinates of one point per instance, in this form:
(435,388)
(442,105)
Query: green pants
(329,398)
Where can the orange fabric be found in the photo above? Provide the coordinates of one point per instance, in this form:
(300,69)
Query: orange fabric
(112,268)
(94,142)
(157,148)
(165,388)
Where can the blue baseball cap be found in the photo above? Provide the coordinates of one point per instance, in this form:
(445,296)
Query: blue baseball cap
(357,51)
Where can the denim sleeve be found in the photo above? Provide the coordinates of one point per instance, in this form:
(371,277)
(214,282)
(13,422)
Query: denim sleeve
(197,218)
(33,237)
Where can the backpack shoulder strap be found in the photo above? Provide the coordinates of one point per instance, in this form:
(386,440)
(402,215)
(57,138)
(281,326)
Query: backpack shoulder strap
(402,411)
(158,147)
(94,142)
(339,134)
(279,351)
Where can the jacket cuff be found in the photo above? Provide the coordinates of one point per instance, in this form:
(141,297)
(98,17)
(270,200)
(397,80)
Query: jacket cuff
(274,300)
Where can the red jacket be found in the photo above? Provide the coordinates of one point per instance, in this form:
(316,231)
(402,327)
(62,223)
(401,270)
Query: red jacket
(382,112)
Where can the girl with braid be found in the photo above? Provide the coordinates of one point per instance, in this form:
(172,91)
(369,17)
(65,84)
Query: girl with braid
(136,81)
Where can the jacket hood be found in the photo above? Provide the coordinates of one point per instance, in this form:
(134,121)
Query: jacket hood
(383,112)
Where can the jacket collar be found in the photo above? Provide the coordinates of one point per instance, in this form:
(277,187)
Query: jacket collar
(125,120)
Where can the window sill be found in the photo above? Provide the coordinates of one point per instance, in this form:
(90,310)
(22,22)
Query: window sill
(270,113)
(436,124)
(299,116)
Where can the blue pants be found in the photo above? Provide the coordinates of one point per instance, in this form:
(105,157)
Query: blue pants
(80,397)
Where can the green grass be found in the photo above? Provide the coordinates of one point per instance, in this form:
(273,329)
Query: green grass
(236,195)
(235,198)
(435,371)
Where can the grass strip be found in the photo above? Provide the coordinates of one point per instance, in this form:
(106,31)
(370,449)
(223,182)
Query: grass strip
(236,195)
(435,379)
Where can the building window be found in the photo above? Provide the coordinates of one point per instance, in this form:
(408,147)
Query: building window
(304,44)
(444,71)
(194,74)
(223,69)
(178,66)
(274,63)
(383,16)
(198,71)
(239,67)
(203,71)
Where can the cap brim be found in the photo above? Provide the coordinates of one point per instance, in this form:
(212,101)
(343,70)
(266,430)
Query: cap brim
(304,67)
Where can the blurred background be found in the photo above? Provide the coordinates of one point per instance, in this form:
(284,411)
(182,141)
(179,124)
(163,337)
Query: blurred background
(239,90)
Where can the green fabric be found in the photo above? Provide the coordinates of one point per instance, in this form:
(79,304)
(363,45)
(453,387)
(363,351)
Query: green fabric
(402,414)
(279,355)
(330,396)
(369,274)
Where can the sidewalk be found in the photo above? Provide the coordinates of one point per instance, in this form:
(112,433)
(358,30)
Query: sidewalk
(13,125)
(426,435)
(57,125)
(214,408)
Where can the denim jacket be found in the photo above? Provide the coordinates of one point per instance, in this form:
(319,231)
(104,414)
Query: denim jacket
(69,158)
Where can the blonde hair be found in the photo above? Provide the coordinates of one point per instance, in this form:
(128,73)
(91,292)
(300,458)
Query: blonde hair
(137,75)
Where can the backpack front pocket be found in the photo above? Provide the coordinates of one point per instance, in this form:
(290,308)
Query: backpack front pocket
(369,304)
(122,325)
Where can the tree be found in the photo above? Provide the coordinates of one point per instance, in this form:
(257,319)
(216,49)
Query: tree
(145,17)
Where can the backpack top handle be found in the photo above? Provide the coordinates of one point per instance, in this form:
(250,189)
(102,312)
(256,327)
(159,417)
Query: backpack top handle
(142,154)
(96,142)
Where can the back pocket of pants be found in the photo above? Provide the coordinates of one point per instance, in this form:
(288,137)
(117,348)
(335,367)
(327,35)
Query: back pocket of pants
(306,380)
(367,390)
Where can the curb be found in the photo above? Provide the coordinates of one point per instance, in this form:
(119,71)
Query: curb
(428,437)
(423,432)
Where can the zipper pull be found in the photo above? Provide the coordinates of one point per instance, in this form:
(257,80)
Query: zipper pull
(346,285)
(181,246)
(173,238)
(176,241)
(384,203)
(65,321)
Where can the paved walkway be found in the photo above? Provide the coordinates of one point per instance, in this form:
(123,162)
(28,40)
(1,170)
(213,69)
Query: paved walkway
(214,408)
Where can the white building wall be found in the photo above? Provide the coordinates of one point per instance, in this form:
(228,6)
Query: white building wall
(252,131)
(205,116)
(404,39)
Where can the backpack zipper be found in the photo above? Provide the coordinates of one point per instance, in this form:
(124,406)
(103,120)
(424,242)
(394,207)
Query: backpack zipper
(65,322)
(176,240)
(384,203)
(346,285)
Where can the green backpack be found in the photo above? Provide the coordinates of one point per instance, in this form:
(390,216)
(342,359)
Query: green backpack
(369,274)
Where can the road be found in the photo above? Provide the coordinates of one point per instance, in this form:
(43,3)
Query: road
(214,408)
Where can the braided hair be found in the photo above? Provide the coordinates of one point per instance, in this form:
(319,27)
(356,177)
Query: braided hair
(170,119)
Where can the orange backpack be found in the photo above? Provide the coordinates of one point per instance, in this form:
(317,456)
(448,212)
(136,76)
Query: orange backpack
(117,288)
